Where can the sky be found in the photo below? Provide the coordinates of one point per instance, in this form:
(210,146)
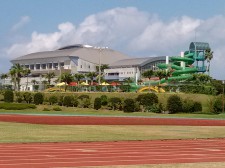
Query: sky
(138,28)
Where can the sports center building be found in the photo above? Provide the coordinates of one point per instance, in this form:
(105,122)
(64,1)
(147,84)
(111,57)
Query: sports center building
(83,59)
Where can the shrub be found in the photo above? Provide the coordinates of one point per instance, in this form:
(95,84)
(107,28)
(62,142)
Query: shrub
(67,101)
(8,96)
(14,106)
(188,106)
(75,101)
(115,103)
(147,100)
(217,106)
(155,108)
(83,97)
(129,105)
(104,100)
(27,97)
(53,100)
(19,96)
(60,100)
(197,106)
(174,104)
(57,109)
(38,98)
(45,109)
(97,103)
(85,102)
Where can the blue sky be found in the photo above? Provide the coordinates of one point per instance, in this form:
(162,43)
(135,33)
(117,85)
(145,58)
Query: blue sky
(135,27)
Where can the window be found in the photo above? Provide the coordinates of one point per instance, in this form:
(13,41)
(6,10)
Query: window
(80,66)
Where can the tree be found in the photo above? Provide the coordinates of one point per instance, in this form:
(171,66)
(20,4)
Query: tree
(67,78)
(91,75)
(4,76)
(208,57)
(49,77)
(148,74)
(44,82)
(160,74)
(16,74)
(34,81)
(25,73)
(78,77)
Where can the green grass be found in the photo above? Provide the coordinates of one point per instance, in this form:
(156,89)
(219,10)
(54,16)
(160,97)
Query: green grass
(105,112)
(20,132)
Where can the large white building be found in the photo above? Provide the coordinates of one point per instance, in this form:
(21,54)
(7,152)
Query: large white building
(84,59)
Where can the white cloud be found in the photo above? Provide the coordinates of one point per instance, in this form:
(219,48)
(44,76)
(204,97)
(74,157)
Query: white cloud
(134,32)
(23,21)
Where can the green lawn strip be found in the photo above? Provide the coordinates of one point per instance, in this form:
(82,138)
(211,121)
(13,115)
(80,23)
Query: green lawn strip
(71,111)
(20,132)
(178,165)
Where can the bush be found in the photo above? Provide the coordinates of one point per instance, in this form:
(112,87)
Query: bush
(53,100)
(155,108)
(83,97)
(85,102)
(174,104)
(218,106)
(27,97)
(188,106)
(147,100)
(14,106)
(8,96)
(67,101)
(197,106)
(75,102)
(104,100)
(38,98)
(129,105)
(115,103)
(57,109)
(97,103)
(45,109)
(60,100)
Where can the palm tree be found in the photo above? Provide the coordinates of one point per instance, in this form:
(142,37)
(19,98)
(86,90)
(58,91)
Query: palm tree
(12,73)
(148,74)
(49,77)
(44,82)
(26,72)
(67,78)
(4,76)
(16,74)
(78,77)
(91,75)
(208,57)
(160,74)
(34,81)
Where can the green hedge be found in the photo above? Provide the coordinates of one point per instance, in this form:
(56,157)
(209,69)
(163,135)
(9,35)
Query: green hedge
(15,106)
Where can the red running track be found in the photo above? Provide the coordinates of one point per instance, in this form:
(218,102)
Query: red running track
(94,120)
(110,153)
(77,154)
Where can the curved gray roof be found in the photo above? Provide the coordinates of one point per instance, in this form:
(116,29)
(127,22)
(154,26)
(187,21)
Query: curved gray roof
(136,61)
(198,46)
(87,53)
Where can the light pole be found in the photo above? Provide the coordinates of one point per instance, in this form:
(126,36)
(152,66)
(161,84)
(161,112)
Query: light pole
(99,66)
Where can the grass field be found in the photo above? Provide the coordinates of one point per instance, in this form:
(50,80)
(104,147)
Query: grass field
(20,132)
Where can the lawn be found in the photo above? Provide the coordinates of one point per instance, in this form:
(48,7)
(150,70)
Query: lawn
(20,132)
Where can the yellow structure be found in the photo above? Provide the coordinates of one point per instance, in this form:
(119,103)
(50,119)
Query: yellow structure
(152,88)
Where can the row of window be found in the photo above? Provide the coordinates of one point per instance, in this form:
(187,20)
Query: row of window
(44,66)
